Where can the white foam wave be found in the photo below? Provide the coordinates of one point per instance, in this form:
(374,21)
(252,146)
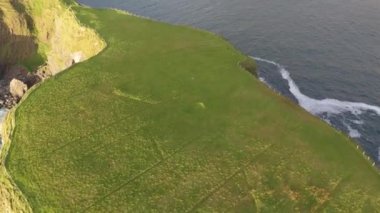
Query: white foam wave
(358,122)
(353,133)
(262,79)
(318,107)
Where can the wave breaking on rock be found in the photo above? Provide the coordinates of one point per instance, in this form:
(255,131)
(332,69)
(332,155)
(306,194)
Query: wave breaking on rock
(324,108)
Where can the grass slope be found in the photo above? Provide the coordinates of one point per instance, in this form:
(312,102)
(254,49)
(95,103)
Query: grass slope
(165,120)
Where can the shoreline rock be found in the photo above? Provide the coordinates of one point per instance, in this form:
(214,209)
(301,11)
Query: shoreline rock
(14,82)
(17,88)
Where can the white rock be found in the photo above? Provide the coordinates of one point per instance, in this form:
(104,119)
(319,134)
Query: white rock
(17,88)
(77,57)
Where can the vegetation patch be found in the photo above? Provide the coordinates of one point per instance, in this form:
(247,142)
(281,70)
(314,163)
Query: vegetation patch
(250,65)
(134,97)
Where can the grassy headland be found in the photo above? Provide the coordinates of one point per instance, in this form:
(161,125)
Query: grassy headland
(165,119)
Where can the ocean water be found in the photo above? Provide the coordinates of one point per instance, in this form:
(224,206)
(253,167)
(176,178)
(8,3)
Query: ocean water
(323,54)
(3,113)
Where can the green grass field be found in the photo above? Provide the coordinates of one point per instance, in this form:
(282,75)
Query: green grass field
(165,120)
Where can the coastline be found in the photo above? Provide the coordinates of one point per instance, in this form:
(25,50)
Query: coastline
(12,198)
(322,81)
(9,127)
(8,124)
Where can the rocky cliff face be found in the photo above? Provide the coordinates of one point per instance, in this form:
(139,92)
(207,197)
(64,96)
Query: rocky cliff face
(45,37)
(44,32)
(16,40)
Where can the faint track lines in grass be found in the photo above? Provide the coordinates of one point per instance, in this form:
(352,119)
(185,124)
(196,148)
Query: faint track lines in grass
(137,176)
(225,181)
(121,152)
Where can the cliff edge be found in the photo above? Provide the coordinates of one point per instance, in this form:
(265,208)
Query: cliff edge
(38,39)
